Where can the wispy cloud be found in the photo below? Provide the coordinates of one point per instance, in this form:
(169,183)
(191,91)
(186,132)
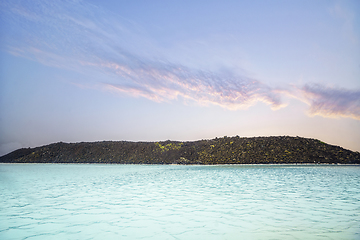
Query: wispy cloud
(76,35)
(331,102)
(82,37)
(165,81)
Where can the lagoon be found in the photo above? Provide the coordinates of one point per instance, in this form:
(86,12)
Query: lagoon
(99,201)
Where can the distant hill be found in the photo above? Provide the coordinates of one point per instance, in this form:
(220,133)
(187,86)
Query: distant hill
(225,150)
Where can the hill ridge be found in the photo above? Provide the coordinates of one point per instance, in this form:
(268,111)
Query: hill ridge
(224,150)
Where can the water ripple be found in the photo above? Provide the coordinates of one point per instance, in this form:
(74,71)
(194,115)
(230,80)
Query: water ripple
(45,201)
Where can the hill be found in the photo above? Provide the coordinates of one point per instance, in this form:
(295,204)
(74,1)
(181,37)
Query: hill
(225,150)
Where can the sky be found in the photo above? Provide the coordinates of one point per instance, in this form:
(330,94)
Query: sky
(89,70)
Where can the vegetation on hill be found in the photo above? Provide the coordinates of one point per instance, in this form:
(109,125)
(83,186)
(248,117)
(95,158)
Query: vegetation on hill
(225,150)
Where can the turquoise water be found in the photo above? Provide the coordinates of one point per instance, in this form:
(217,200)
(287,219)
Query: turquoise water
(85,201)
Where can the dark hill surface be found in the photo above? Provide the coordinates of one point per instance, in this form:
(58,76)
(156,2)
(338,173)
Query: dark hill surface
(226,150)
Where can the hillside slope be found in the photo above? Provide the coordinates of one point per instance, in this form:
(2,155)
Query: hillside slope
(226,150)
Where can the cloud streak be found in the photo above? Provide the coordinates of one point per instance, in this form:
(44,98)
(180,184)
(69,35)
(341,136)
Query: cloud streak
(79,36)
(165,81)
(332,102)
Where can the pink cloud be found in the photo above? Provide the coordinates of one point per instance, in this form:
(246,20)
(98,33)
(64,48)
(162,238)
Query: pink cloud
(332,102)
(164,82)
(77,36)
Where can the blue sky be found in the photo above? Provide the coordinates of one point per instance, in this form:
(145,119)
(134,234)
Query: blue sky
(91,70)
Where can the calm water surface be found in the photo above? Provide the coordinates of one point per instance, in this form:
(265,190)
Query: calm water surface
(83,201)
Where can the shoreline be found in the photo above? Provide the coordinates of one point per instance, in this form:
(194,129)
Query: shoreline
(155,164)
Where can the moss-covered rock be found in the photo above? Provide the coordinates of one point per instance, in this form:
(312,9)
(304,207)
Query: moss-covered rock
(226,150)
